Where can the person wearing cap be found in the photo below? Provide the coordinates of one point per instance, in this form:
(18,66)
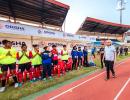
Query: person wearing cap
(36,62)
(110,58)
(24,63)
(46,63)
(8,61)
(74,54)
(102,55)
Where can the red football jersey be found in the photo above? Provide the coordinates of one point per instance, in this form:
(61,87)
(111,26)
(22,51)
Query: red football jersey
(54,54)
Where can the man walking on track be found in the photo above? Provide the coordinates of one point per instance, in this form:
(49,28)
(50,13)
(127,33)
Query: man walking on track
(110,58)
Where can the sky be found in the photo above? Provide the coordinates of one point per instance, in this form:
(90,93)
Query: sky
(100,9)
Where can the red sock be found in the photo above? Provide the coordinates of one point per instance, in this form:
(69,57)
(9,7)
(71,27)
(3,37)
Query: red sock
(58,71)
(20,77)
(38,72)
(30,75)
(25,75)
(54,69)
(34,73)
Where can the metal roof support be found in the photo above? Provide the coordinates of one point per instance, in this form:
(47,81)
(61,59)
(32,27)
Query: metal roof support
(9,18)
(10,2)
(42,16)
(42,24)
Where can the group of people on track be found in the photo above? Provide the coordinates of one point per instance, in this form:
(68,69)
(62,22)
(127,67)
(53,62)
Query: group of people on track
(24,60)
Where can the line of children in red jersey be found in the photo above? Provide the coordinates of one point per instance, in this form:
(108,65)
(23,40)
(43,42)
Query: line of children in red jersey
(39,65)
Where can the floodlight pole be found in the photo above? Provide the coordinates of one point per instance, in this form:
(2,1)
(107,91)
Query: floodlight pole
(121,10)
(120,16)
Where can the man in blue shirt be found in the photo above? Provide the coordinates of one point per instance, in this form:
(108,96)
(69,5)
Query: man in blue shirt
(85,55)
(74,54)
(93,52)
(80,56)
(47,63)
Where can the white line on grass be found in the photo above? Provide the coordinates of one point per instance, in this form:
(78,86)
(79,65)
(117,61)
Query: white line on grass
(69,90)
(122,89)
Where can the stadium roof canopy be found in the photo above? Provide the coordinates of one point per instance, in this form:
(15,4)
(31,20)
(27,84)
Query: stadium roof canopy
(43,11)
(96,25)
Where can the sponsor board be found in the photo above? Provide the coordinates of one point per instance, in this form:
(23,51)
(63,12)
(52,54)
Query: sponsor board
(16,28)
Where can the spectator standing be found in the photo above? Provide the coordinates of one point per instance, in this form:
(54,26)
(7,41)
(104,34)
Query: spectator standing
(126,50)
(121,51)
(102,55)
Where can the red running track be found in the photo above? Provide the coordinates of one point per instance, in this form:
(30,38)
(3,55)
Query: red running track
(94,87)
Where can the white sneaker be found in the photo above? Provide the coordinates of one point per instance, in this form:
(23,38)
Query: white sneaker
(16,85)
(2,89)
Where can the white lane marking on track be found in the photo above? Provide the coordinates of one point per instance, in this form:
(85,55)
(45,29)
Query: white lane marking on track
(122,89)
(69,90)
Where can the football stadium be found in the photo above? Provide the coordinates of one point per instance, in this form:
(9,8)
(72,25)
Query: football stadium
(64,50)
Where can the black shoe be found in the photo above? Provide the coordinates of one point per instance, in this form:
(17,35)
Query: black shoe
(106,79)
(113,76)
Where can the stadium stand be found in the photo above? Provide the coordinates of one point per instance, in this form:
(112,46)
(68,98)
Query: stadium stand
(45,12)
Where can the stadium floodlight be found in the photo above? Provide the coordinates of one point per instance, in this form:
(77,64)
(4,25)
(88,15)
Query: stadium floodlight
(120,7)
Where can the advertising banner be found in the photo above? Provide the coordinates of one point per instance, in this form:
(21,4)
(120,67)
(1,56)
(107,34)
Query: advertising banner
(20,29)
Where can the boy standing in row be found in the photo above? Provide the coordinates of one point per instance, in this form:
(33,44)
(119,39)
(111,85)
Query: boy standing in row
(24,63)
(47,63)
(80,57)
(8,61)
(36,62)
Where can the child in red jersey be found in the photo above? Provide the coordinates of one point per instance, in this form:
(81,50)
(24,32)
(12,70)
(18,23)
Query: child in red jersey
(54,57)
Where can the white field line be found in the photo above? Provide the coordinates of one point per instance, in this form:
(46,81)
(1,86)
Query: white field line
(69,90)
(122,89)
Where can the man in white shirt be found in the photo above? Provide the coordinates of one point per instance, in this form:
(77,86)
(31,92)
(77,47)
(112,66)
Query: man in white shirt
(110,58)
